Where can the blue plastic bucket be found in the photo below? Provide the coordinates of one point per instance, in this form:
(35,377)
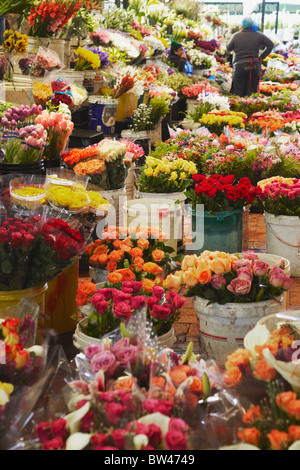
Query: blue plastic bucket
(102,114)
(220,232)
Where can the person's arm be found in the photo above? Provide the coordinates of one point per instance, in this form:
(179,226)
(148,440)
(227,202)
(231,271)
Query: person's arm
(230,45)
(268,44)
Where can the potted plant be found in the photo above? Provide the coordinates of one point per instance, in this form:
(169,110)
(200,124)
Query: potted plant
(216,206)
(121,247)
(231,293)
(116,302)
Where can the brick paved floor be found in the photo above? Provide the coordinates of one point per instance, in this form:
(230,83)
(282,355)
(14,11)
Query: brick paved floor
(186,326)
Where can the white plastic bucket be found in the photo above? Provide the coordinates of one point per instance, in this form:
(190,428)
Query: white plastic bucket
(222,328)
(283,239)
(163,196)
(162,214)
(167,340)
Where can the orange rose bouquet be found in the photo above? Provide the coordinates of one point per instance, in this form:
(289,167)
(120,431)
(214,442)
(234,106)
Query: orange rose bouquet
(143,251)
(225,278)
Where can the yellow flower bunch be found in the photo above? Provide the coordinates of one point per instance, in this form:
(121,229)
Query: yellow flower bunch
(166,174)
(68,197)
(28,196)
(86,60)
(97,201)
(15,41)
(228,118)
(263,183)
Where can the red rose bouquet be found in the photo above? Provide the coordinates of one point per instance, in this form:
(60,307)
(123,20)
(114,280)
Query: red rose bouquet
(36,250)
(222,193)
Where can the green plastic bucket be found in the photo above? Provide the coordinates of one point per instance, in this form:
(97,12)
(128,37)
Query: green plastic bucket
(220,232)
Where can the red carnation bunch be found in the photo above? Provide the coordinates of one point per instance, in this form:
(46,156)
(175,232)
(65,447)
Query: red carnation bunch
(47,18)
(222,193)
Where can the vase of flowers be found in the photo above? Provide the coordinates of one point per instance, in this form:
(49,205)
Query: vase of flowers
(116,303)
(280,200)
(216,207)
(231,293)
(22,140)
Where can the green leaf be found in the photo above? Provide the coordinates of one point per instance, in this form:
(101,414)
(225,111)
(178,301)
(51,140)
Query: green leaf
(6,267)
(206,386)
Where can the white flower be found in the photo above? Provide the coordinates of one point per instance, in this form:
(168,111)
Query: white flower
(217,101)
(36,349)
(78,441)
(4,398)
(290,371)
(157,418)
(139,441)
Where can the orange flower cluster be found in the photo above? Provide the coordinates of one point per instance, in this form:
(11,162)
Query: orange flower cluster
(275,439)
(74,156)
(84,293)
(9,331)
(118,249)
(90,167)
(271,88)
(166,389)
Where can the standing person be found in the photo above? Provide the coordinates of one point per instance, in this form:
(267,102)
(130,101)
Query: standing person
(246,45)
(177,56)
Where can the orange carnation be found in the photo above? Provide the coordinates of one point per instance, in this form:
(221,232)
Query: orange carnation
(264,371)
(117,244)
(249,436)
(139,261)
(102,259)
(279,440)
(114,277)
(93,260)
(232,377)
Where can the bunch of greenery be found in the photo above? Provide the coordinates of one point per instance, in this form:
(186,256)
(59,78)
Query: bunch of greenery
(148,116)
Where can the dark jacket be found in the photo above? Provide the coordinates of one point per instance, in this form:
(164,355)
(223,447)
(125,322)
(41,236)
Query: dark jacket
(248,43)
(177,61)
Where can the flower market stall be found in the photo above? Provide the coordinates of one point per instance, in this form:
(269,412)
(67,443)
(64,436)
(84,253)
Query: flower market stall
(149,234)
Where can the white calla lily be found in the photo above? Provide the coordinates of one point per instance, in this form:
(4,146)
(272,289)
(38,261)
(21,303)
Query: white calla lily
(73,419)
(157,418)
(258,336)
(36,349)
(241,446)
(4,398)
(295,446)
(75,398)
(78,441)
(290,371)
(139,441)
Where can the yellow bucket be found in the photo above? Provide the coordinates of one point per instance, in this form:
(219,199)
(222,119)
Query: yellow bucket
(33,294)
(60,302)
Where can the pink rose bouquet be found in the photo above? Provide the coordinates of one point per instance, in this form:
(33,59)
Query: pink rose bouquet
(280,196)
(116,303)
(225,278)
